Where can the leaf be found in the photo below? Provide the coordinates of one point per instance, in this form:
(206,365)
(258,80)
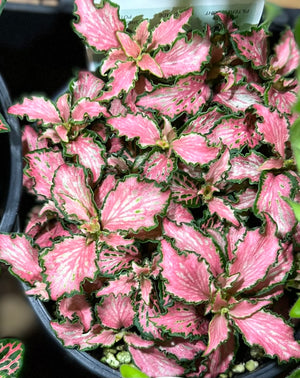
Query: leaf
(271,199)
(87,109)
(295,310)
(87,85)
(37,108)
(182,319)
(113,262)
(132,205)
(11,357)
(90,153)
(184,57)
(98,26)
(147,63)
(158,166)
(295,374)
(155,363)
(223,210)
(129,46)
(74,197)
(271,333)
(17,251)
(136,126)
(203,123)
(188,238)
(186,95)
(274,128)
(184,190)
(68,263)
(128,371)
(237,98)
(236,132)
(123,78)
(246,167)
(218,332)
(295,206)
(167,30)
(252,46)
(187,277)
(250,260)
(116,312)
(42,165)
(77,306)
(184,147)
(295,141)
(184,349)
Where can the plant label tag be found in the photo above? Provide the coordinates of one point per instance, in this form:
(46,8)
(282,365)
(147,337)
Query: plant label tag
(245,11)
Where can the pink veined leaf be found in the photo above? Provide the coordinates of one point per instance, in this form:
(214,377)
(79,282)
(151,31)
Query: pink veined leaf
(87,109)
(236,132)
(133,205)
(114,56)
(244,309)
(112,262)
(204,122)
(74,197)
(52,231)
(142,34)
(250,259)
(39,290)
(37,108)
(237,98)
(17,251)
(158,166)
(184,147)
(42,165)
(270,332)
(123,78)
(222,209)
(63,105)
(72,334)
(246,199)
(184,349)
(246,167)
(218,168)
(167,31)
(143,313)
(186,276)
(31,140)
(274,127)
(187,95)
(182,319)
(136,341)
(287,54)
(137,126)
(147,63)
(184,189)
(282,100)
(116,312)
(124,284)
(179,214)
(129,46)
(252,47)
(189,239)
(90,153)
(98,25)
(87,85)
(220,359)
(77,306)
(115,240)
(184,57)
(155,363)
(11,355)
(218,332)
(68,264)
(270,199)
(107,184)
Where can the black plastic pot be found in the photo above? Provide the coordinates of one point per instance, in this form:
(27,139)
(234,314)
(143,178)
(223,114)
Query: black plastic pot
(11,165)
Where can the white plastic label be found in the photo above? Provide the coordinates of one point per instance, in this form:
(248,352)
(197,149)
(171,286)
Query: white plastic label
(246,11)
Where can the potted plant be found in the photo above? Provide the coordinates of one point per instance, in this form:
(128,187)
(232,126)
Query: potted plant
(162,235)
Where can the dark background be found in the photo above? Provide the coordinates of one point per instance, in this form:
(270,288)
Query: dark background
(39,54)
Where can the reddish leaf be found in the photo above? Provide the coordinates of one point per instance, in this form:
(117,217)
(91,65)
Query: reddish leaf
(112,262)
(246,167)
(137,126)
(68,264)
(218,332)
(184,58)
(187,95)
(158,167)
(98,25)
(17,251)
(133,205)
(11,357)
(116,312)
(87,85)
(270,332)
(186,276)
(222,209)
(185,149)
